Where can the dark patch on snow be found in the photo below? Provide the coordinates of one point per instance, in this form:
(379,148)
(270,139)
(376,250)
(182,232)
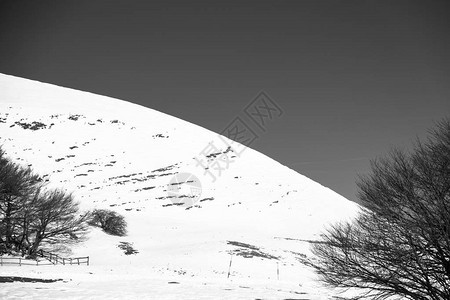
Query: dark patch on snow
(249,251)
(172,204)
(165,169)
(4,279)
(31,126)
(144,189)
(207,199)
(75,117)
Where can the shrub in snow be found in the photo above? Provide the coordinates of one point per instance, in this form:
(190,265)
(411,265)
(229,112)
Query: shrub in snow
(127,248)
(110,221)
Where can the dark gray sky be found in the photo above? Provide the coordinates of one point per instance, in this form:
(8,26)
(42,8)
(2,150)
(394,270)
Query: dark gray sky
(354,78)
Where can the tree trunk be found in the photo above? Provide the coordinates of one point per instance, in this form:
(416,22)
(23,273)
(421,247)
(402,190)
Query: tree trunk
(35,246)
(8,225)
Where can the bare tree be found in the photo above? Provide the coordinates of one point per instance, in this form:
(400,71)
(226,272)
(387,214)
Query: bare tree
(399,246)
(31,215)
(16,184)
(56,220)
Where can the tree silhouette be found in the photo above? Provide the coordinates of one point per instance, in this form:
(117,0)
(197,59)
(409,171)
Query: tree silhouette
(399,245)
(31,215)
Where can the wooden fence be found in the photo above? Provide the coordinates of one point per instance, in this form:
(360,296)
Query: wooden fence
(49,259)
(22,261)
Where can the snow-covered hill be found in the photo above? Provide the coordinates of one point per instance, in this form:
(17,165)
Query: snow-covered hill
(186,226)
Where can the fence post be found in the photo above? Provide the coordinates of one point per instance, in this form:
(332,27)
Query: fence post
(278,271)
(229,268)
(78,259)
(88,260)
(20,261)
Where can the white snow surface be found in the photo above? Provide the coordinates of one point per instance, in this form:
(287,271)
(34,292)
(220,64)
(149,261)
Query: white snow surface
(116,155)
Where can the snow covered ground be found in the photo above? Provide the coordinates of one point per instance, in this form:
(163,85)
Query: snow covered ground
(116,155)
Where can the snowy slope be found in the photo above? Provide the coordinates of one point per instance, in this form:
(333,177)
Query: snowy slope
(117,155)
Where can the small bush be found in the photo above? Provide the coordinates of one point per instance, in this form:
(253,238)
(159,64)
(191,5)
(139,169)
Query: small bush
(110,221)
(127,248)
